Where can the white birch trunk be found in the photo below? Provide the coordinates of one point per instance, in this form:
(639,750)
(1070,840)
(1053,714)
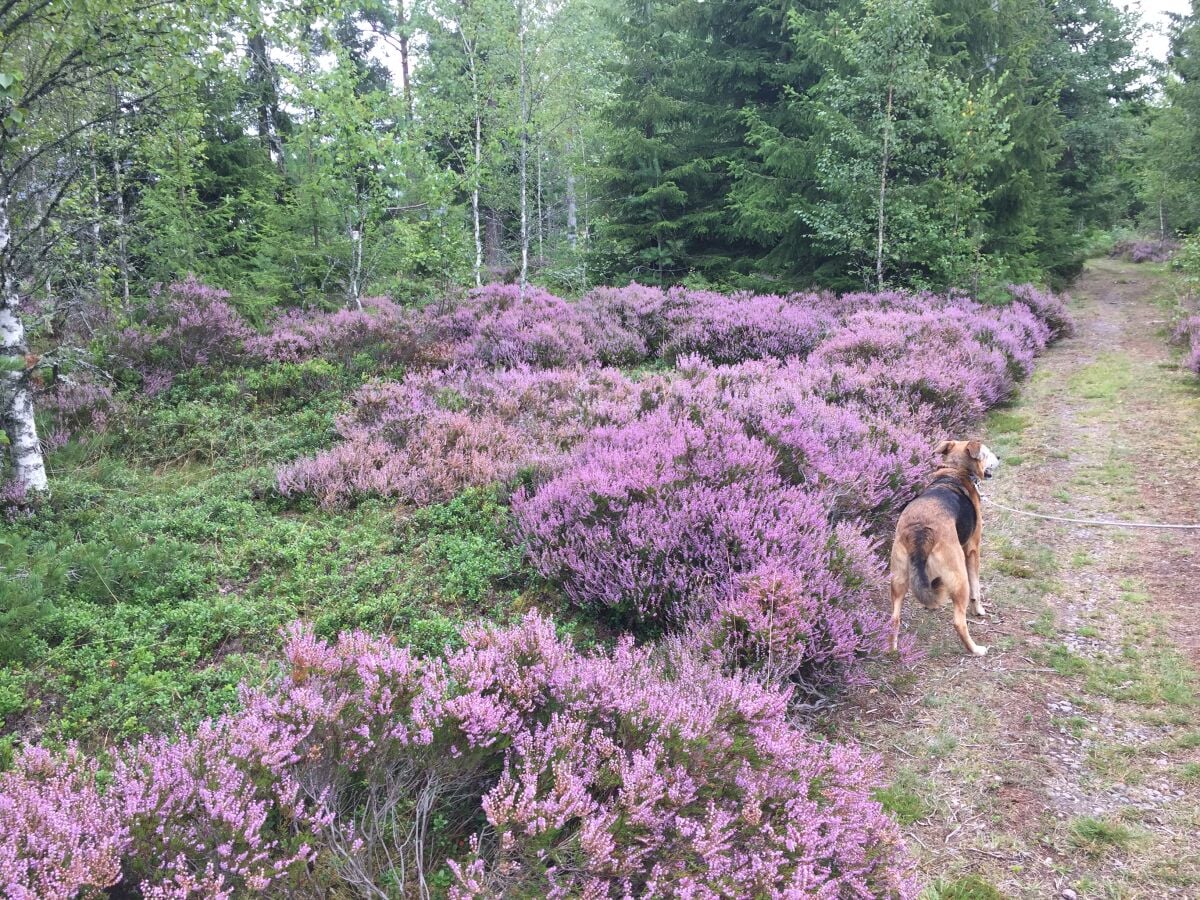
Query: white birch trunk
(572,203)
(524,151)
(356,256)
(883,168)
(541,218)
(122,236)
(469,49)
(28,467)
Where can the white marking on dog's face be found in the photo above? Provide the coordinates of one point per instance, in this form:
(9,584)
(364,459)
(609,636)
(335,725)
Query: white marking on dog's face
(989,460)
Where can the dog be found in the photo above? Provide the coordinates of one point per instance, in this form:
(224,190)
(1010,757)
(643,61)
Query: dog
(936,549)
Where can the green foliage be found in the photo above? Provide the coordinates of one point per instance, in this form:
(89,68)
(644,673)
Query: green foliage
(751,146)
(158,578)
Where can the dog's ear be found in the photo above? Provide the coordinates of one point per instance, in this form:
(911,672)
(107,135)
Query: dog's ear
(943,448)
(974,449)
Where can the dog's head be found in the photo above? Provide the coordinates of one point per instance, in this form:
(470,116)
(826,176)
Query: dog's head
(972,457)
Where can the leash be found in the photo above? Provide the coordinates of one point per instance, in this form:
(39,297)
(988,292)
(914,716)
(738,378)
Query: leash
(1110,522)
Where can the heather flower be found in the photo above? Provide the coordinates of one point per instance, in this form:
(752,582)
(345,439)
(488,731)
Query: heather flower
(642,770)
(198,818)
(729,328)
(654,514)
(75,405)
(380,328)
(58,836)
(497,328)
(192,325)
(1144,250)
(14,497)
(1050,308)
(1188,333)
(434,434)
(629,324)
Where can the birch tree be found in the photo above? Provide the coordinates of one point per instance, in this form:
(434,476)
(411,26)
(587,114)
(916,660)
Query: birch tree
(58,61)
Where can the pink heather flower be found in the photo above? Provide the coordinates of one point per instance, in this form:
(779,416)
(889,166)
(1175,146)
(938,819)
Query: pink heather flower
(58,836)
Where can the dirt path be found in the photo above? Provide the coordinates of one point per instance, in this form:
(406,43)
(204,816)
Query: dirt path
(1067,762)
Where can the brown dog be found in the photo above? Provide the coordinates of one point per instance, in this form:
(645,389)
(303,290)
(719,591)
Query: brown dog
(936,550)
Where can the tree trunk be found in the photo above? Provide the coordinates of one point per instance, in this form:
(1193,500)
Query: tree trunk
(27,466)
(405,72)
(469,49)
(883,169)
(122,236)
(572,203)
(262,75)
(356,254)
(491,238)
(97,215)
(524,112)
(1162,223)
(541,216)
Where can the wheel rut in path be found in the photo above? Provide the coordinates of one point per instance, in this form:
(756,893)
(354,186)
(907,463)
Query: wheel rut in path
(1067,762)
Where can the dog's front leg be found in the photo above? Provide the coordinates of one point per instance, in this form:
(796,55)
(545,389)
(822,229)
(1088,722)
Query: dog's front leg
(973,580)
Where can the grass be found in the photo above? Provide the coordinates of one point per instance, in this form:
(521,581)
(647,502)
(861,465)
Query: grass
(972,887)
(1096,836)
(905,797)
(1105,379)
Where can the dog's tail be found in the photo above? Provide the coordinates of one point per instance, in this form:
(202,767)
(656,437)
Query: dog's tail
(918,557)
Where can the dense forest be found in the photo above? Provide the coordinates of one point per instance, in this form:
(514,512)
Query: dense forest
(449,445)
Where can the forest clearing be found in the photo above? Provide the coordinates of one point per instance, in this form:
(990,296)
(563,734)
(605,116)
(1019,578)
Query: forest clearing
(460,449)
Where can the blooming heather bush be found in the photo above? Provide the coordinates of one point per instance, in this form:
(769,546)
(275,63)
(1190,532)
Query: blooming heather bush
(654,515)
(867,463)
(896,360)
(74,406)
(1188,333)
(448,453)
(381,329)
(628,324)
(495,327)
(192,325)
(1143,250)
(434,434)
(1048,307)
(638,772)
(778,626)
(666,776)
(58,838)
(729,328)
(200,822)
(14,497)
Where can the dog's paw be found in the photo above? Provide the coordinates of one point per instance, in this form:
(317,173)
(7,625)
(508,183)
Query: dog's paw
(980,651)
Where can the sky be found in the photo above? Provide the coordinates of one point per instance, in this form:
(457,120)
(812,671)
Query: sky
(1155,14)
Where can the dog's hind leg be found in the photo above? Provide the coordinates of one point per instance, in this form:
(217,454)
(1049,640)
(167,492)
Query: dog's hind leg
(962,597)
(976,605)
(899,589)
